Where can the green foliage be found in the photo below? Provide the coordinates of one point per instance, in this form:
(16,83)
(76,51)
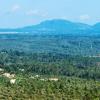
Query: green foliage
(64,43)
(50,64)
(70,88)
(77,66)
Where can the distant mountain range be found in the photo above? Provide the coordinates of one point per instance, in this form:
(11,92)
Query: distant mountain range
(58,26)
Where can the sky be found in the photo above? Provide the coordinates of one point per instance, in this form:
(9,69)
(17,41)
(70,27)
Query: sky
(19,13)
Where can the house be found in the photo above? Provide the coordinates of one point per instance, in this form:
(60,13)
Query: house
(53,79)
(42,79)
(12,81)
(36,76)
(22,70)
(8,75)
(1,70)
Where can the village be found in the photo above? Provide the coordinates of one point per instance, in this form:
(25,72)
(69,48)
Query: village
(13,77)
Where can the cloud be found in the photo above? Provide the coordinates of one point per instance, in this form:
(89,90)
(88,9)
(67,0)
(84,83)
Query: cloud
(32,12)
(15,8)
(36,13)
(84,17)
(11,10)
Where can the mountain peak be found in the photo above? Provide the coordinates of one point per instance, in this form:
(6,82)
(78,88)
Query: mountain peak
(57,26)
(62,25)
(56,21)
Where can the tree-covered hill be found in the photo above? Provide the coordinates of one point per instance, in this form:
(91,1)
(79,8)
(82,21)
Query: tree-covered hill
(64,44)
(56,26)
(66,88)
(49,67)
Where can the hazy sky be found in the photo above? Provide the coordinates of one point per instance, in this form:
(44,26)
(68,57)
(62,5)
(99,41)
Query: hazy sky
(16,13)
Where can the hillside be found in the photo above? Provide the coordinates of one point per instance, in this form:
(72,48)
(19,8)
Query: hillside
(58,26)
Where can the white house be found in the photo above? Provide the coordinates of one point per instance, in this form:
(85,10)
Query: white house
(12,81)
(8,75)
(1,69)
(53,79)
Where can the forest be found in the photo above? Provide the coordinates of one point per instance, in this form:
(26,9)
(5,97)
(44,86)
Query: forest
(49,67)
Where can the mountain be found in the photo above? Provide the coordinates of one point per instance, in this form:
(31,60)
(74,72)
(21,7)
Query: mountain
(96,28)
(57,26)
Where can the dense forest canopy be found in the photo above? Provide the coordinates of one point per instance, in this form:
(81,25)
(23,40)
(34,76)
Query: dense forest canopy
(49,67)
(63,44)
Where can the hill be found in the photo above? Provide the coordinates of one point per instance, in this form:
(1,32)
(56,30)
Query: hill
(55,26)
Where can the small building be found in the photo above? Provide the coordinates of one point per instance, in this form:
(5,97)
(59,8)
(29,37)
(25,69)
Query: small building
(8,75)
(36,76)
(1,70)
(22,70)
(53,79)
(12,81)
(42,79)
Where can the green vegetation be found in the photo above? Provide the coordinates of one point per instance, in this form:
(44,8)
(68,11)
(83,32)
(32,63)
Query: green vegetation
(49,68)
(63,44)
(50,64)
(27,88)
(44,76)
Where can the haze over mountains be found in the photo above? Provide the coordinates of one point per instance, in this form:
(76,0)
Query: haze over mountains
(58,26)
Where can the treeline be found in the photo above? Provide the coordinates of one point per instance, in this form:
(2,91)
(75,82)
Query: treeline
(50,64)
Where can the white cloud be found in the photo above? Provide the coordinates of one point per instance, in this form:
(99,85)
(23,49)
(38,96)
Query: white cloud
(84,17)
(32,12)
(15,8)
(44,14)
(36,13)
